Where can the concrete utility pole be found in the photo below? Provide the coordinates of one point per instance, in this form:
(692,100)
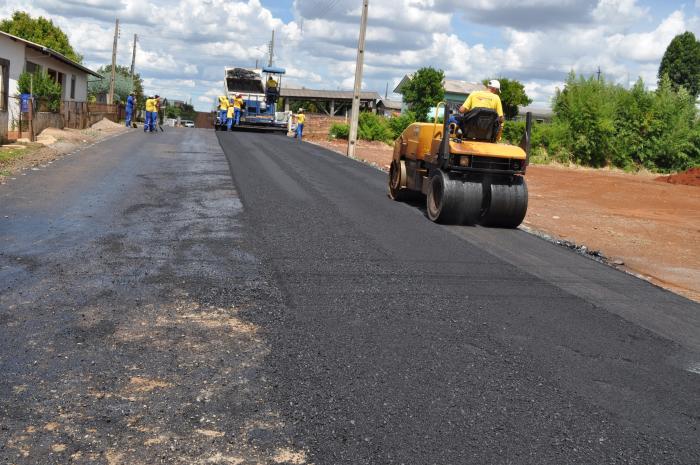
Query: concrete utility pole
(110,97)
(133,57)
(355,115)
(272,48)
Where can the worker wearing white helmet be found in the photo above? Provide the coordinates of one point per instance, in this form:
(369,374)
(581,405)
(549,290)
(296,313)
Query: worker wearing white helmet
(485,99)
(301,118)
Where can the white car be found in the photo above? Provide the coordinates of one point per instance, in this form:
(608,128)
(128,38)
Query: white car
(187,123)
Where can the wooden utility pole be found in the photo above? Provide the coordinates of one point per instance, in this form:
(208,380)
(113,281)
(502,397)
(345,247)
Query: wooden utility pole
(272,48)
(110,97)
(355,115)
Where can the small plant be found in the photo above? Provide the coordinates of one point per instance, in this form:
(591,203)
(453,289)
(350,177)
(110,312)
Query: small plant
(339,131)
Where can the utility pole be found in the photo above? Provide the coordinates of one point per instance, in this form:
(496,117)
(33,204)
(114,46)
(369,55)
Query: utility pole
(133,57)
(386,91)
(598,73)
(110,97)
(272,48)
(355,115)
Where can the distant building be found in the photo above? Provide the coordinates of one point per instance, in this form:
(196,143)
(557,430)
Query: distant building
(330,102)
(540,114)
(18,55)
(388,107)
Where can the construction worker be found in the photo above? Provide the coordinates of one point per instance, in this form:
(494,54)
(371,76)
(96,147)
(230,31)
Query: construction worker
(485,99)
(149,123)
(223,107)
(237,106)
(230,115)
(271,84)
(300,124)
(130,103)
(156,114)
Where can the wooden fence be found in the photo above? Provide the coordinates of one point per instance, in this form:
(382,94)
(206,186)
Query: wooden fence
(81,115)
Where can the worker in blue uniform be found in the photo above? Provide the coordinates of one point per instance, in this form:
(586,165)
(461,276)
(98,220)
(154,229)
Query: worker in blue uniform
(130,101)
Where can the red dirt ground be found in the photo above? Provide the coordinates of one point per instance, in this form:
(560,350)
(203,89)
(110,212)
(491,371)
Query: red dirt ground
(689,178)
(653,227)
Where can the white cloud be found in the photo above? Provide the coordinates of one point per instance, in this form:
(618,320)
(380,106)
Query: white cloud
(185,44)
(648,46)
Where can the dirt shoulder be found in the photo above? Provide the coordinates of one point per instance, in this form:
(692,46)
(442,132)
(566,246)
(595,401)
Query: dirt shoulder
(644,226)
(51,144)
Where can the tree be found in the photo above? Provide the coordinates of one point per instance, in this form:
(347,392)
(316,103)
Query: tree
(123,84)
(41,86)
(512,95)
(41,31)
(681,62)
(424,91)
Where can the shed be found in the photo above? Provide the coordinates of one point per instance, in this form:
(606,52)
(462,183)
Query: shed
(330,102)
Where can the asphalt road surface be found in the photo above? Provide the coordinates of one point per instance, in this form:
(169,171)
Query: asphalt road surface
(166,301)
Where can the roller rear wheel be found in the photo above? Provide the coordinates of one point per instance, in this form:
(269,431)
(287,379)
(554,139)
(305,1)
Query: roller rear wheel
(453,201)
(507,204)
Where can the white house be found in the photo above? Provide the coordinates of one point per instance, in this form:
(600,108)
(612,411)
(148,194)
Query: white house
(18,55)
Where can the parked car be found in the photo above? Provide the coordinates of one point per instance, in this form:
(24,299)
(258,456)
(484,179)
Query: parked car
(187,123)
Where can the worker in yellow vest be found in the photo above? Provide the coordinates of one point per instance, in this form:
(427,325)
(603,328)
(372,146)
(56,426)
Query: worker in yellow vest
(150,121)
(230,114)
(237,108)
(300,124)
(223,107)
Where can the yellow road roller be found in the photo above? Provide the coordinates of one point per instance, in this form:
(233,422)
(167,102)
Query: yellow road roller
(467,177)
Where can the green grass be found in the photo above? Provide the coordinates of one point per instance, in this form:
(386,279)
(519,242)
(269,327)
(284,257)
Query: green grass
(10,154)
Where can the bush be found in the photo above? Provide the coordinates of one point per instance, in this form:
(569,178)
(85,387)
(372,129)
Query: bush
(398,124)
(43,87)
(513,131)
(374,127)
(598,124)
(339,131)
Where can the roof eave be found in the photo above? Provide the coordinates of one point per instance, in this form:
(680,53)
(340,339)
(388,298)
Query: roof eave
(51,52)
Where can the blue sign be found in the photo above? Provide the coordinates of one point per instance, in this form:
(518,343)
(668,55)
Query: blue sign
(24,102)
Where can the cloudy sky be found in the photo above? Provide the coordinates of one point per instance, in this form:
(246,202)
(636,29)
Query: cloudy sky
(184,44)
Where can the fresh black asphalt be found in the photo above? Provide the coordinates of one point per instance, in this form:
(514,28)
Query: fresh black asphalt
(164,301)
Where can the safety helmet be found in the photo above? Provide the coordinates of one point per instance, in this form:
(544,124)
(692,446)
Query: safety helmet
(301,110)
(495,84)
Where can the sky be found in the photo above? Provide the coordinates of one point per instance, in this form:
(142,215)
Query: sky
(184,45)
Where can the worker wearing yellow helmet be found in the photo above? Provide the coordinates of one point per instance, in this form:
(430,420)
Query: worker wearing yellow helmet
(223,106)
(237,108)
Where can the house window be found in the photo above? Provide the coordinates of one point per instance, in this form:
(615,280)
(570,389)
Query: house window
(4,82)
(72,86)
(32,68)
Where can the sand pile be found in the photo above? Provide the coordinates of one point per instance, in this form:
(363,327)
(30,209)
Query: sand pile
(689,178)
(51,135)
(104,123)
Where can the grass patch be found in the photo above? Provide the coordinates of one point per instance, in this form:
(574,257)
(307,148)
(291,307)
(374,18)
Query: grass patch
(10,154)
